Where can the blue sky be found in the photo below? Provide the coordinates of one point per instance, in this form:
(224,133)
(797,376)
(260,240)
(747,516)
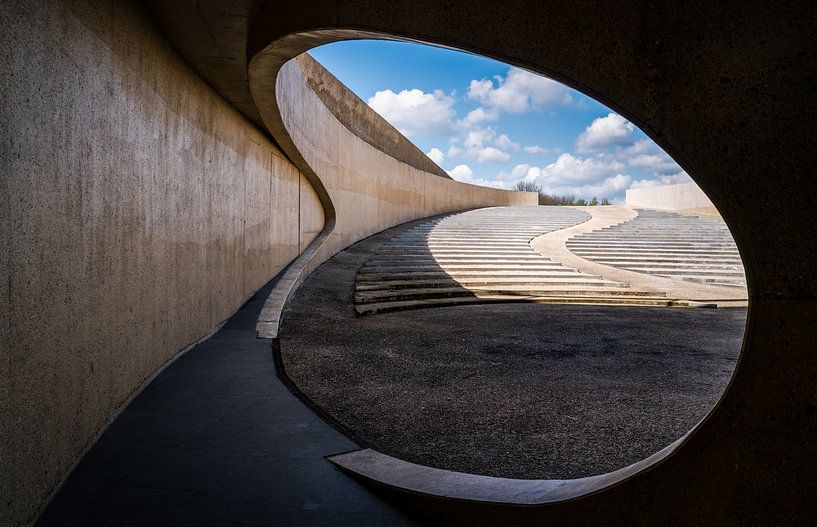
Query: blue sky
(491,124)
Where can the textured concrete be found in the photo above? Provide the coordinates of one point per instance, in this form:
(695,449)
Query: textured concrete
(685,196)
(140,211)
(216,439)
(362,189)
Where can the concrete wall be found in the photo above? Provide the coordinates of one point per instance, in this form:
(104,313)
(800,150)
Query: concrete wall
(684,196)
(139,211)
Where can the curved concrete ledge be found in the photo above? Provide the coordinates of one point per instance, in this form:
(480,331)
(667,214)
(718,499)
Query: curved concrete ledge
(382,470)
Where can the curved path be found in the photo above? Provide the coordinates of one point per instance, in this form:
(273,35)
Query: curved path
(217,439)
(483,256)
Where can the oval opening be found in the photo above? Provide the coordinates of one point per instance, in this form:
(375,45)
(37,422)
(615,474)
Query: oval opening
(556,341)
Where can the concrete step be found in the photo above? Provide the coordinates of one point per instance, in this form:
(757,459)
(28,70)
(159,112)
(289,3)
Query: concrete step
(492,281)
(394,295)
(385,307)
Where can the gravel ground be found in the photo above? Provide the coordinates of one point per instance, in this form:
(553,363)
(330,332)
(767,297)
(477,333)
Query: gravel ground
(513,390)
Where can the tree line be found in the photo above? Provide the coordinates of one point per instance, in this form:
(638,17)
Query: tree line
(552,199)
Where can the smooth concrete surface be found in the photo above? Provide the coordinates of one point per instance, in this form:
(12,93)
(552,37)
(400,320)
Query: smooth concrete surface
(218,440)
(731,107)
(554,245)
(683,196)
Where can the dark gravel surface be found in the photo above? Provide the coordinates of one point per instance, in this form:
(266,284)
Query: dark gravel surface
(513,390)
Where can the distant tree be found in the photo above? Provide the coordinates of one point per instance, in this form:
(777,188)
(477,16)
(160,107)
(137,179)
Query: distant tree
(605,201)
(581,202)
(593,202)
(527,186)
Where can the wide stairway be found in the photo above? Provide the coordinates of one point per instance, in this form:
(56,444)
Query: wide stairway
(668,245)
(483,256)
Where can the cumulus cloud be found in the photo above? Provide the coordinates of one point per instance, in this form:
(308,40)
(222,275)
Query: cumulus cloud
(461,173)
(490,154)
(477,116)
(454,151)
(464,174)
(605,132)
(436,155)
(569,169)
(674,179)
(415,112)
(599,176)
(646,155)
(505,143)
(538,150)
(519,92)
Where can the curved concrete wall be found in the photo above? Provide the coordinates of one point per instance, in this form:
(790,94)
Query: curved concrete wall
(369,189)
(139,210)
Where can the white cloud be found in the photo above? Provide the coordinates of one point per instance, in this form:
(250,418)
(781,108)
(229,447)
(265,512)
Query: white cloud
(505,143)
(475,139)
(646,155)
(454,151)
(568,168)
(519,92)
(461,173)
(490,154)
(675,179)
(479,115)
(464,174)
(414,111)
(538,150)
(605,132)
(599,176)
(436,155)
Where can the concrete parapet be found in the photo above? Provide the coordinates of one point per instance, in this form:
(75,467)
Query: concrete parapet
(684,196)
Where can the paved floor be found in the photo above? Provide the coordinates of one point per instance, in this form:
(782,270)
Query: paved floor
(216,439)
(513,390)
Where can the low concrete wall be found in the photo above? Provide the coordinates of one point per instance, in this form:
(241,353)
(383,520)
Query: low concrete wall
(669,197)
(139,211)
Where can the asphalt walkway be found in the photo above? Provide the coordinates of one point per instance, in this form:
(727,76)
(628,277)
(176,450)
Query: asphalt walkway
(217,439)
